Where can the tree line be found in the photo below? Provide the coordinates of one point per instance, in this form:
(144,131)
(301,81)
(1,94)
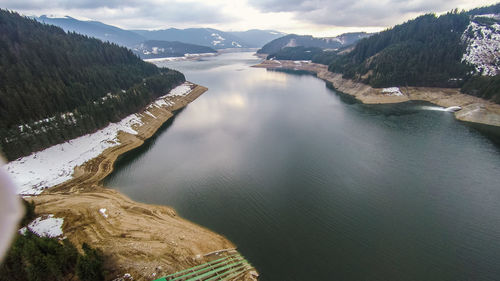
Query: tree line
(426,51)
(36,258)
(57,86)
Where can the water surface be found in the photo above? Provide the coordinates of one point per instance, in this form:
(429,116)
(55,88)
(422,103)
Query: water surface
(311,185)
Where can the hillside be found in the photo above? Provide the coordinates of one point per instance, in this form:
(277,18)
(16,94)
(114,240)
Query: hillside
(57,86)
(161,49)
(314,54)
(199,36)
(457,49)
(256,38)
(95,29)
(294,40)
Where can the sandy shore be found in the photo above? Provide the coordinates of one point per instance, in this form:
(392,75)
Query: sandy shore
(474,109)
(145,241)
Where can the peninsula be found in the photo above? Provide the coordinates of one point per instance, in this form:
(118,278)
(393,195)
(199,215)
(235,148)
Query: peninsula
(139,241)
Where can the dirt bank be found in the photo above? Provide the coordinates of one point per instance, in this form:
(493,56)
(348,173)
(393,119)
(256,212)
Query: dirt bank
(145,241)
(95,170)
(474,109)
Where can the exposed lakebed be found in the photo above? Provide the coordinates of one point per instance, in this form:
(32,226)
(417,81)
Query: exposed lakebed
(311,185)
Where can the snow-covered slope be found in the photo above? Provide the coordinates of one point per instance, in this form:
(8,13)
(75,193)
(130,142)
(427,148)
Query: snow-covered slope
(54,165)
(482,38)
(45,226)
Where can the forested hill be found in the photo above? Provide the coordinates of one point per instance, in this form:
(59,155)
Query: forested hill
(293,40)
(161,49)
(457,49)
(56,86)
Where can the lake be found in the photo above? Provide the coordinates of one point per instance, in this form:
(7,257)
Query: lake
(311,185)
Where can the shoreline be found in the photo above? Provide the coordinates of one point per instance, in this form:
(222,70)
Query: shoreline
(94,171)
(185,57)
(474,109)
(140,240)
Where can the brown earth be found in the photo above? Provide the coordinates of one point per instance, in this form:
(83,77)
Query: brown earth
(474,109)
(143,240)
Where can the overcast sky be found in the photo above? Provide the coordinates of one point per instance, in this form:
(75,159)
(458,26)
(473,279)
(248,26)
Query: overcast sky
(316,17)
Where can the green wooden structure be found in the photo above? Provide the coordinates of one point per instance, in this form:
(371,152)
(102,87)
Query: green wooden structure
(225,268)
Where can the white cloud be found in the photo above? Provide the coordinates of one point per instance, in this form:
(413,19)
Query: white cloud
(316,17)
(348,13)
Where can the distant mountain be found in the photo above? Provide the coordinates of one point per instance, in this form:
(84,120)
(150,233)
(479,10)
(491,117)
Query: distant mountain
(57,86)
(200,36)
(208,37)
(95,29)
(314,54)
(256,38)
(162,49)
(294,40)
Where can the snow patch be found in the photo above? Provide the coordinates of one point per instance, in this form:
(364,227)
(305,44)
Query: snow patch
(392,91)
(491,16)
(103,212)
(291,43)
(45,226)
(483,46)
(55,165)
(181,90)
(217,36)
(186,56)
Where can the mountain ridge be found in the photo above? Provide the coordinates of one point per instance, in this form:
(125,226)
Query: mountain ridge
(200,36)
(294,40)
(95,29)
(161,49)
(207,37)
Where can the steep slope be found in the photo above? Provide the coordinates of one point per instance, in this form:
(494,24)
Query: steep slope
(424,51)
(95,29)
(200,36)
(294,40)
(482,39)
(162,49)
(256,38)
(57,86)
(452,50)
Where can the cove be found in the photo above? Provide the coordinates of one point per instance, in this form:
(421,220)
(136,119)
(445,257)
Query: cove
(311,185)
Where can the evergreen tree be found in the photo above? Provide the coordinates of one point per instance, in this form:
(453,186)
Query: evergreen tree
(46,73)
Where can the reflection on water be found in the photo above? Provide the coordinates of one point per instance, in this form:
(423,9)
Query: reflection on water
(125,160)
(312,185)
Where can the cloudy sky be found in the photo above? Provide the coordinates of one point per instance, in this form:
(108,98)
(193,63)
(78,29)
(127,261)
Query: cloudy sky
(316,17)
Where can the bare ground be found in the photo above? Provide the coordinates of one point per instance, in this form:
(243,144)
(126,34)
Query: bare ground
(143,240)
